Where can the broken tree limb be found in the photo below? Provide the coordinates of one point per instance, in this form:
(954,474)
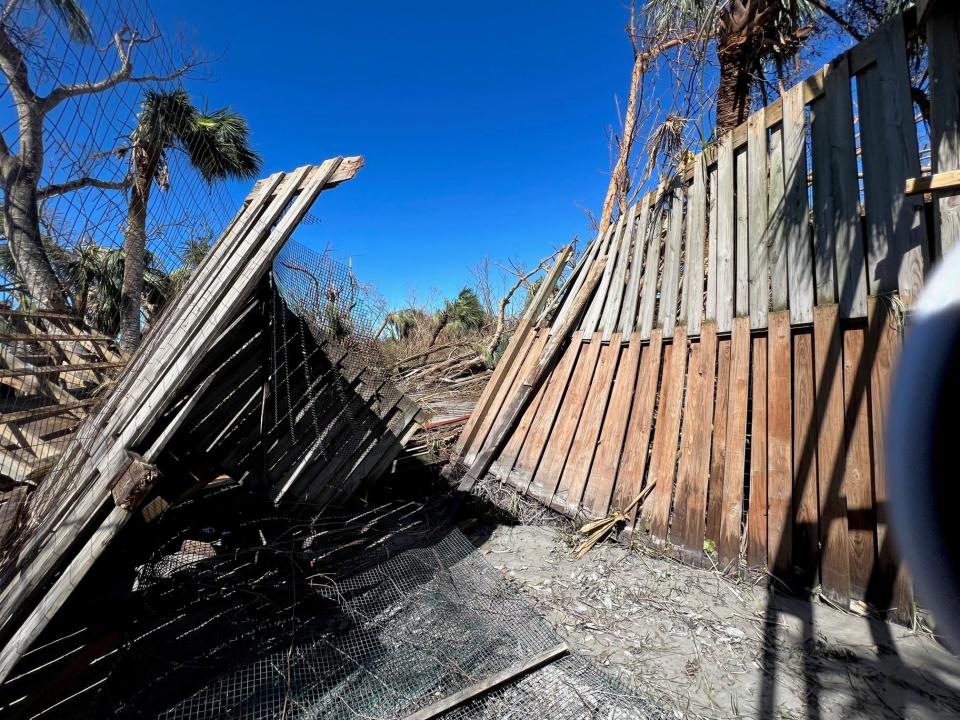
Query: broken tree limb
(537,375)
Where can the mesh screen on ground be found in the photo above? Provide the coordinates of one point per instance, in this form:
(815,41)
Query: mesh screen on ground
(288,628)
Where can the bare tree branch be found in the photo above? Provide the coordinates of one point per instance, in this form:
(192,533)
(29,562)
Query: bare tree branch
(77,183)
(125,40)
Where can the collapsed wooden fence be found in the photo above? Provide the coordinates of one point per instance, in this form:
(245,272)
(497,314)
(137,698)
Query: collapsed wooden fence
(737,352)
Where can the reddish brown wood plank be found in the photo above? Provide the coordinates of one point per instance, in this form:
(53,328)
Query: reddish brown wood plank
(663,460)
(554,459)
(603,474)
(757,510)
(637,444)
(828,363)
(719,453)
(861,516)
(779,445)
(689,515)
(504,464)
(534,444)
(806,531)
(575,473)
(890,588)
(507,387)
(734,469)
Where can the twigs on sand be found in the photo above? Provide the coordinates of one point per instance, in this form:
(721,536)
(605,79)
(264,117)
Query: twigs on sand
(598,529)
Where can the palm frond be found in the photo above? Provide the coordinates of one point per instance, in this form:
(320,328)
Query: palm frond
(70,13)
(218,144)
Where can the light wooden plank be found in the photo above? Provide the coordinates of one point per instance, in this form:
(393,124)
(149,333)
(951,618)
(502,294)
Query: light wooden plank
(943,46)
(795,217)
(628,316)
(757,529)
(759,260)
(637,444)
(603,474)
(689,515)
(946,180)
(825,221)
(670,282)
(726,226)
(611,311)
(663,459)
(710,302)
(777,234)
(779,446)
(577,278)
(896,229)
(693,273)
(731,518)
(591,320)
(831,464)
(741,264)
(577,471)
(858,478)
(648,296)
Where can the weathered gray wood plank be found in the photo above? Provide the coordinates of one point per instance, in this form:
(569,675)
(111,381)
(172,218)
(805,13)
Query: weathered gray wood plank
(777,236)
(611,310)
(741,262)
(648,296)
(670,283)
(592,319)
(726,224)
(795,216)
(710,303)
(628,316)
(696,232)
(757,157)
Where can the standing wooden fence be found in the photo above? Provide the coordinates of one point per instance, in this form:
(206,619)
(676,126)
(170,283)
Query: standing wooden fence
(738,350)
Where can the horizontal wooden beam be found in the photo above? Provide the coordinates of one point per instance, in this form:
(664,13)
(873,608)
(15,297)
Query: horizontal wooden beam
(53,369)
(53,337)
(949,180)
(44,412)
(51,314)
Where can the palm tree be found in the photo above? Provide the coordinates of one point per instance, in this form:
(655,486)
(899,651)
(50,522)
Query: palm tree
(747,34)
(217,145)
(194,251)
(460,316)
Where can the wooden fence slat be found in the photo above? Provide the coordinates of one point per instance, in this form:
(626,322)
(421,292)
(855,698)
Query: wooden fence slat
(777,232)
(592,318)
(779,445)
(637,444)
(603,474)
(628,316)
(796,225)
(891,591)
(648,296)
(669,284)
(504,464)
(503,393)
(535,443)
(719,453)
(845,193)
(897,236)
(689,517)
(943,44)
(742,261)
(577,472)
(726,220)
(861,514)
(735,457)
(757,510)
(577,279)
(806,532)
(693,259)
(663,461)
(825,213)
(759,261)
(611,311)
(548,474)
(710,303)
(831,488)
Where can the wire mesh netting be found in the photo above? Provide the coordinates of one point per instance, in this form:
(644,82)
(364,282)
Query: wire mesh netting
(370,616)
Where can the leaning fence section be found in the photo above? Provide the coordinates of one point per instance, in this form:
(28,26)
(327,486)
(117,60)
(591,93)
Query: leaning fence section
(733,365)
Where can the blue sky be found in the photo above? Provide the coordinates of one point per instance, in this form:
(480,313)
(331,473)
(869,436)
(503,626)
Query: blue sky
(483,124)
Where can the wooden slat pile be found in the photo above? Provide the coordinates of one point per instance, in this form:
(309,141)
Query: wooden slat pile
(200,384)
(738,347)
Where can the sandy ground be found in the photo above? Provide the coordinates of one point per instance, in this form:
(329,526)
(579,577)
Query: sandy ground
(707,646)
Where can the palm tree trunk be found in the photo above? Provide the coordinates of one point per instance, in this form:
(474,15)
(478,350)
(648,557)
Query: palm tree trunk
(134,246)
(734,98)
(441,324)
(21,220)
